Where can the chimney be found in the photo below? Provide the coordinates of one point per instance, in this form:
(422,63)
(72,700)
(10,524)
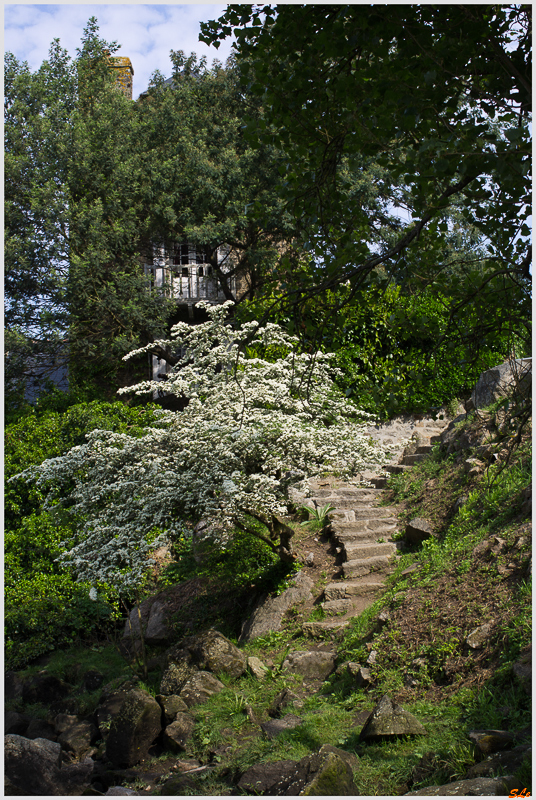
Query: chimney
(123,72)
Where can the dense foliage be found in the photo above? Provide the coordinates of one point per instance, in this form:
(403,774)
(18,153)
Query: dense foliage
(438,98)
(44,606)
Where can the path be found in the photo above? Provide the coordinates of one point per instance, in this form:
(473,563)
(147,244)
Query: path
(361,528)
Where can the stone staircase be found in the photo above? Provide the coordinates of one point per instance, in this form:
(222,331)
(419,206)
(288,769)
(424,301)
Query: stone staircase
(361,529)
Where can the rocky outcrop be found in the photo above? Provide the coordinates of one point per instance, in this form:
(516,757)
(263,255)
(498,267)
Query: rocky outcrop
(499,381)
(328,772)
(207,652)
(312,664)
(35,767)
(133,728)
(269,612)
(387,719)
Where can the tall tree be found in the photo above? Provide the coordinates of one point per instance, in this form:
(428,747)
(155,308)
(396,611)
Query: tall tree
(437,96)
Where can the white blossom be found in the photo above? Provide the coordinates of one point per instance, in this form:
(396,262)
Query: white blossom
(248,425)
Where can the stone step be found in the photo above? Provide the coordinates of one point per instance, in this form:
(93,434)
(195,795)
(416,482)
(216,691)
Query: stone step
(341,590)
(333,607)
(380,526)
(356,568)
(369,512)
(362,537)
(380,482)
(319,630)
(369,549)
(364,493)
(424,448)
(415,458)
(396,469)
(341,503)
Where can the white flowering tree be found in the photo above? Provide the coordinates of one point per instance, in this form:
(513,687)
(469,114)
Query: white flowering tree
(252,424)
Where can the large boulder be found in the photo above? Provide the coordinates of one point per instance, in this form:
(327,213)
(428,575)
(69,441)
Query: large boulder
(483,787)
(133,728)
(499,381)
(208,652)
(312,664)
(418,530)
(269,612)
(199,688)
(327,772)
(176,734)
(35,767)
(387,719)
(155,621)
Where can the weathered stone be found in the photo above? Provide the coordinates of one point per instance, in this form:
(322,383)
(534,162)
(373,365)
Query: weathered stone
(417,530)
(491,741)
(121,791)
(107,710)
(387,719)
(34,767)
(309,559)
(171,705)
(78,737)
(363,677)
(332,774)
(475,787)
(208,652)
(313,664)
(327,772)
(133,729)
(274,727)
(175,676)
(508,761)
(479,637)
(199,688)
(181,785)
(257,668)
(472,466)
(176,734)
(498,382)
(268,615)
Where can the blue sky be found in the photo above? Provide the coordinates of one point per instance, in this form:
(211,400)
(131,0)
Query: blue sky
(145,32)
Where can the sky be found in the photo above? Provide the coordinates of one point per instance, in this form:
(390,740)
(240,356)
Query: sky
(145,32)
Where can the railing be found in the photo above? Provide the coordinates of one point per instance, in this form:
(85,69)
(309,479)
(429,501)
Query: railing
(184,288)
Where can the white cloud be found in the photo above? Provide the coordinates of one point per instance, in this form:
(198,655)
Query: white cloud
(145,32)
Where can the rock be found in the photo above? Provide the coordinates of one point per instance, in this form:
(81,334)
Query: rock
(460,502)
(78,737)
(181,785)
(491,741)
(326,772)
(508,761)
(274,727)
(285,698)
(268,614)
(121,791)
(178,732)
(479,637)
(15,723)
(387,719)
(257,668)
(208,652)
(417,530)
(133,729)
(157,628)
(34,768)
(313,664)
(372,657)
(171,705)
(309,559)
(495,383)
(363,677)
(473,467)
(107,710)
(332,774)
(199,688)
(44,688)
(479,787)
